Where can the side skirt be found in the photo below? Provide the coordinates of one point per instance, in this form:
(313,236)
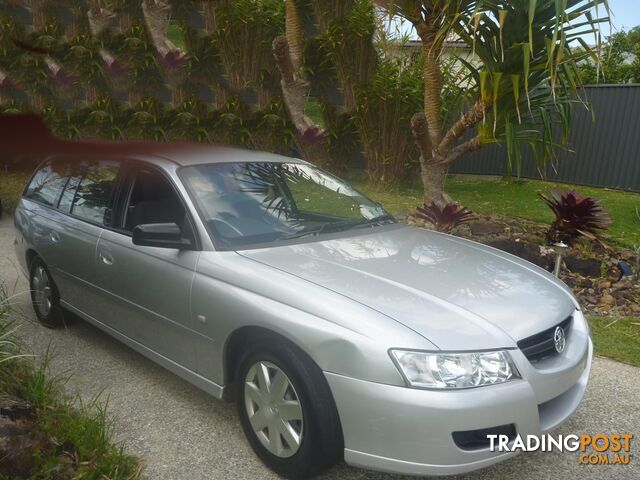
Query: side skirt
(218,391)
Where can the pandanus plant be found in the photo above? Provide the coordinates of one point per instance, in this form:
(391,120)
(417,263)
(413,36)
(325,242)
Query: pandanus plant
(444,217)
(576,216)
(523,75)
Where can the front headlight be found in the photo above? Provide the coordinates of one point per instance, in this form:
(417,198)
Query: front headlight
(454,370)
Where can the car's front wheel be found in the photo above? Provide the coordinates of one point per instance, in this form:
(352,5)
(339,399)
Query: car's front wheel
(44,295)
(287,411)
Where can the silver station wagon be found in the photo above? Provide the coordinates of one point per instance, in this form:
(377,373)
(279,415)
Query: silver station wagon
(339,332)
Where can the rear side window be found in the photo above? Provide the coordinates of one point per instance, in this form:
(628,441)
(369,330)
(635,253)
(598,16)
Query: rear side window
(69,194)
(47,183)
(92,199)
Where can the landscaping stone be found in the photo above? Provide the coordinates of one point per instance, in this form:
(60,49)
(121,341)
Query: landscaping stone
(584,266)
(484,227)
(16,444)
(607,300)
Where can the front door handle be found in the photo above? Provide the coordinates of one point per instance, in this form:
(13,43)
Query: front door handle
(105,258)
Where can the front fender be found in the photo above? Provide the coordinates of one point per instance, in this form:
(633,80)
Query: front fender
(342,336)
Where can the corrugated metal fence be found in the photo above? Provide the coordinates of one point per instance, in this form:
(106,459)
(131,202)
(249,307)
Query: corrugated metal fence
(604,152)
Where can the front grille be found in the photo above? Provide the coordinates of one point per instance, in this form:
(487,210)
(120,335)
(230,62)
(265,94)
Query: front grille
(540,345)
(477,439)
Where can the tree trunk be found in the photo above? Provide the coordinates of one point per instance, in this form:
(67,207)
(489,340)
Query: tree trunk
(433,92)
(433,176)
(293,28)
(156,16)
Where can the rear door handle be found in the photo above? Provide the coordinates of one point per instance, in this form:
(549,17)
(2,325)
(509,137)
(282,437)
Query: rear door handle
(105,258)
(54,237)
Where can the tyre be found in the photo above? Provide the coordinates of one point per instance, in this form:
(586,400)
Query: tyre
(286,409)
(44,295)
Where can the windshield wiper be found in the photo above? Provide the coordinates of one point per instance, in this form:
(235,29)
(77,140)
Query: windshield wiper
(376,221)
(339,226)
(306,232)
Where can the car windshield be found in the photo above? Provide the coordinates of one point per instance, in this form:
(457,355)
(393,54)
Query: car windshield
(254,204)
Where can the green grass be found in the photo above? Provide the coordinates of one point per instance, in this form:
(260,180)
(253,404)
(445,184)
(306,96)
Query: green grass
(515,199)
(69,438)
(617,338)
(314,112)
(11,187)
(176,35)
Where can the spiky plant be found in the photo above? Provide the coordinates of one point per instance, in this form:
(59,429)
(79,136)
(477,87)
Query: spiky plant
(523,75)
(444,216)
(576,216)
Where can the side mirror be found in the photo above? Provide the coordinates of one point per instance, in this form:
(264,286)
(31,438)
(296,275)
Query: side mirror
(161,235)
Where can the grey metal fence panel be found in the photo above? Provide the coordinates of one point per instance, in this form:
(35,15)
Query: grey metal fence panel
(604,146)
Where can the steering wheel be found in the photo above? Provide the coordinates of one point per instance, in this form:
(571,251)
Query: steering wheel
(227,224)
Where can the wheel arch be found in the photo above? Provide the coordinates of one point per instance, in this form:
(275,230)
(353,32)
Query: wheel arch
(30,255)
(236,344)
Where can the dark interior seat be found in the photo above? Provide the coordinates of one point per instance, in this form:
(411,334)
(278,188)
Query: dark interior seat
(153,201)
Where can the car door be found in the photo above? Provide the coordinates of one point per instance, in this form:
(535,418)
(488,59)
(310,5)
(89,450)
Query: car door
(87,202)
(39,219)
(148,288)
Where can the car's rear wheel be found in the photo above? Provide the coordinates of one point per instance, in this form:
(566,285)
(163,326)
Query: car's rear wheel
(287,411)
(44,295)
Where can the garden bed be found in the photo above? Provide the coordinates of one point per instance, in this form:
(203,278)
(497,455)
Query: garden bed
(43,432)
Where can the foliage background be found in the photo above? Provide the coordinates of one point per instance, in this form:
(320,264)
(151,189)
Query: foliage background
(216,81)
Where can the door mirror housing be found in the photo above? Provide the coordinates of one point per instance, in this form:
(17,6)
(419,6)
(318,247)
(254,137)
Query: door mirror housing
(161,235)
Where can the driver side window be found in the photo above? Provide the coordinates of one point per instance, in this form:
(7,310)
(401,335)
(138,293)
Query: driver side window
(152,199)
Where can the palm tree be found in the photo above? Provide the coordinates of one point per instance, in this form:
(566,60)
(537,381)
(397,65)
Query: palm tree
(288,53)
(523,76)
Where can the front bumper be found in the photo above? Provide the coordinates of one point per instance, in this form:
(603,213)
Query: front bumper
(409,431)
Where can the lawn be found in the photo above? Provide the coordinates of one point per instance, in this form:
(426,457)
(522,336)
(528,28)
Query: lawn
(516,199)
(617,338)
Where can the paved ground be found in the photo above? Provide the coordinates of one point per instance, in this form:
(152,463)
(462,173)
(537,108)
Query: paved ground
(181,433)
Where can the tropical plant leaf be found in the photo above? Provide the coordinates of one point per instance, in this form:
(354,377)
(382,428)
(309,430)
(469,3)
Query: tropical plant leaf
(576,216)
(444,217)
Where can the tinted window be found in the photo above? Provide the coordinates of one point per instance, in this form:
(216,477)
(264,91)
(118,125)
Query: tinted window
(153,200)
(92,199)
(69,193)
(47,183)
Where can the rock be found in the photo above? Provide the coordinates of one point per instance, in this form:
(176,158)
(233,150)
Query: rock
(484,227)
(607,301)
(620,287)
(591,299)
(588,267)
(570,281)
(16,448)
(586,282)
(604,285)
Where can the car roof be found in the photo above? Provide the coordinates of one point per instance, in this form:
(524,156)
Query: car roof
(181,153)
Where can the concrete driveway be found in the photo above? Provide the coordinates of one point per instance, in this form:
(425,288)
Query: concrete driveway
(181,433)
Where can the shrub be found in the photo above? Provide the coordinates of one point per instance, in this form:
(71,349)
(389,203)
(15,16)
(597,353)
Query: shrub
(444,217)
(576,216)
